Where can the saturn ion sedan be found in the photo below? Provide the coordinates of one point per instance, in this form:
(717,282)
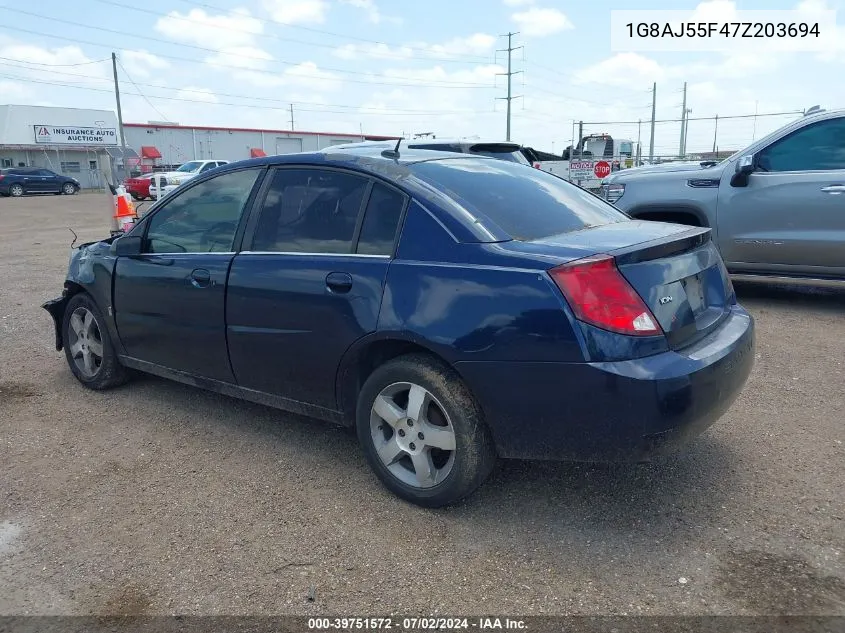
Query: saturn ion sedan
(452,308)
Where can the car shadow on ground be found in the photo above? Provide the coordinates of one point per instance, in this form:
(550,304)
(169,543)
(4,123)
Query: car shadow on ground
(647,500)
(804,297)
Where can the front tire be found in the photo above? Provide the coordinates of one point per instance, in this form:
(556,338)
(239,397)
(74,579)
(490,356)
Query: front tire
(422,431)
(88,348)
(69,189)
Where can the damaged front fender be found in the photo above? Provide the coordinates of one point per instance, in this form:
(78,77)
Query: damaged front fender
(86,263)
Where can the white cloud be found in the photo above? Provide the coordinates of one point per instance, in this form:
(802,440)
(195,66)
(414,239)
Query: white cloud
(142,63)
(14,91)
(475,44)
(373,13)
(309,75)
(470,78)
(246,57)
(374,51)
(39,63)
(623,69)
(539,22)
(205,95)
(297,11)
(224,30)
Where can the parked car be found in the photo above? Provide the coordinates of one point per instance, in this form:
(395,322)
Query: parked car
(503,150)
(183,174)
(453,308)
(776,208)
(139,186)
(16,181)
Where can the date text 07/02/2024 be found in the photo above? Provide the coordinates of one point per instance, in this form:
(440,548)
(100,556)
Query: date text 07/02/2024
(416,624)
(727,29)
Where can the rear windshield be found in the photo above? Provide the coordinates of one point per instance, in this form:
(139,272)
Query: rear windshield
(526,203)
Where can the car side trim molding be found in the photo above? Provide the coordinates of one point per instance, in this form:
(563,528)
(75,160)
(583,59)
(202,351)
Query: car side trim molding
(235,391)
(314,254)
(789,281)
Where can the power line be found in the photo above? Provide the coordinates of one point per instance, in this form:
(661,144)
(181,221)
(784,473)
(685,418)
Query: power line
(240,105)
(352,108)
(435,83)
(132,81)
(271,35)
(325,32)
(93,61)
(703,118)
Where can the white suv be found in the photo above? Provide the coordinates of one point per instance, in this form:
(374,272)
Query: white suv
(172,179)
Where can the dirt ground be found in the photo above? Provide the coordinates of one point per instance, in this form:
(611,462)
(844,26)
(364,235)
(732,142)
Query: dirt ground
(157,498)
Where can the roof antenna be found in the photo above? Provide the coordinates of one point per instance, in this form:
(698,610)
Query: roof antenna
(392,153)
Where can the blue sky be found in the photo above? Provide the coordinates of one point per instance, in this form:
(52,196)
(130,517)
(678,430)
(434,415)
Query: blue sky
(391,66)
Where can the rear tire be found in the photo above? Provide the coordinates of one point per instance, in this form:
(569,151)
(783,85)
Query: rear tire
(16,191)
(88,347)
(423,432)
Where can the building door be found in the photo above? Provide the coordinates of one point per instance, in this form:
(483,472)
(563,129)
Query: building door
(288,145)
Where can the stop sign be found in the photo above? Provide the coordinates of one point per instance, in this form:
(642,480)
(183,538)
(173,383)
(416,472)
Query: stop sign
(602,169)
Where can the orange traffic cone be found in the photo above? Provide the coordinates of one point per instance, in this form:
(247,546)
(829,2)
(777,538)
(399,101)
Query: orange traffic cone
(124,213)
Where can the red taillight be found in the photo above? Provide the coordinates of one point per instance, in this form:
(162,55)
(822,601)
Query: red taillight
(536,165)
(599,295)
(2,176)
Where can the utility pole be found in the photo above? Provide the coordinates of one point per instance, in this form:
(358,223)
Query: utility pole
(653,112)
(119,117)
(682,144)
(639,135)
(510,49)
(686,130)
(715,131)
(291,117)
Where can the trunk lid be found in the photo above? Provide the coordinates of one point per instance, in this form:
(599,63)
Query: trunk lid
(675,269)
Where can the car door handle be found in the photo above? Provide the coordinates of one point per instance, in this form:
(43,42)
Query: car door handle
(834,189)
(201,278)
(339,282)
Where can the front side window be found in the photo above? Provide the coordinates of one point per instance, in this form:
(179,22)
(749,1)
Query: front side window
(208,166)
(817,147)
(204,218)
(310,211)
(46,173)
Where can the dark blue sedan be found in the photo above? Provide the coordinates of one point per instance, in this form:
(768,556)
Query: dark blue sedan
(453,308)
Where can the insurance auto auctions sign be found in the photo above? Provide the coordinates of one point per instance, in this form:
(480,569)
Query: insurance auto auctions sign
(61,135)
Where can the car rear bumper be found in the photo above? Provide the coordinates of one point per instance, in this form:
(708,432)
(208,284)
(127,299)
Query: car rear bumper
(612,411)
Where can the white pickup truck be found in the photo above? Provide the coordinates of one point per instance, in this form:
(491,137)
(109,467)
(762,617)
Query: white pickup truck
(169,180)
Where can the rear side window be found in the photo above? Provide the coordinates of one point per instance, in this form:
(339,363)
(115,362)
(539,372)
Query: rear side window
(526,203)
(381,221)
(310,211)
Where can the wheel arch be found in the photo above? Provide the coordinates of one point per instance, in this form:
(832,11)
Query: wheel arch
(360,360)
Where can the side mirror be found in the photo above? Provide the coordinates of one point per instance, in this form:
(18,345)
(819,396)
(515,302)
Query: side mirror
(744,167)
(127,246)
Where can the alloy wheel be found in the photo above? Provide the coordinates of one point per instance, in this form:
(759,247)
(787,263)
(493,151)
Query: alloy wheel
(16,190)
(85,342)
(69,189)
(413,435)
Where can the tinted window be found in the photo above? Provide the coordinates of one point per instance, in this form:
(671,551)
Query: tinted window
(310,211)
(46,173)
(816,147)
(208,166)
(526,203)
(381,220)
(202,219)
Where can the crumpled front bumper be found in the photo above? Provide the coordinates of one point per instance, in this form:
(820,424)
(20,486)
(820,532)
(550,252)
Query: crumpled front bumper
(56,308)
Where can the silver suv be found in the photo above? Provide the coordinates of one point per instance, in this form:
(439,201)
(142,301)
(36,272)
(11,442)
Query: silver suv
(776,208)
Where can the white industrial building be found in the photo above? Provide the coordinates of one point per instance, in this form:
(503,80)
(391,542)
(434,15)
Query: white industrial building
(85,144)
(75,142)
(167,144)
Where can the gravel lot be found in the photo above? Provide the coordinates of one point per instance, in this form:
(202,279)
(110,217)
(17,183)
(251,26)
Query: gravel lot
(157,498)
